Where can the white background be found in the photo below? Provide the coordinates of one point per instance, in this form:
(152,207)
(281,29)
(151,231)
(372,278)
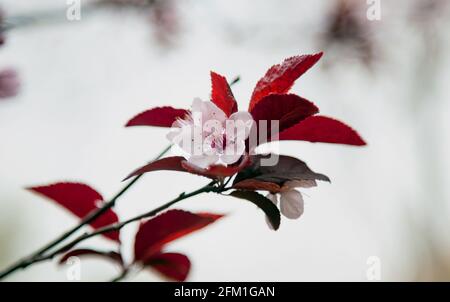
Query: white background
(81,82)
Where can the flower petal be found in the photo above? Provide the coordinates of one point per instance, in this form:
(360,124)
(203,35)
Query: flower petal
(291,204)
(233,152)
(209,111)
(239,125)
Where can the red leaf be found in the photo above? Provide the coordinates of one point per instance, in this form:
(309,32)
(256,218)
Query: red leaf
(172,265)
(81,200)
(178,163)
(323,129)
(168,163)
(222,95)
(280,78)
(153,234)
(115,257)
(257,185)
(288,109)
(216,171)
(272,178)
(159,117)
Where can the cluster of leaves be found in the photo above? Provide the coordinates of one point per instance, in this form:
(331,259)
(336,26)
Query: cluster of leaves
(270,100)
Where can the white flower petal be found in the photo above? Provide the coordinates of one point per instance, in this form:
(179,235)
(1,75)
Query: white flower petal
(232,152)
(197,105)
(173,134)
(243,122)
(213,113)
(291,204)
(207,111)
(241,116)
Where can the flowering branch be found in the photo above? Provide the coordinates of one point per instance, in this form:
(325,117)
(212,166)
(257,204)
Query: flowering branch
(39,255)
(218,142)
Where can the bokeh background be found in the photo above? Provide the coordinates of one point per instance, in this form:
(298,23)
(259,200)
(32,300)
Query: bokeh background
(81,81)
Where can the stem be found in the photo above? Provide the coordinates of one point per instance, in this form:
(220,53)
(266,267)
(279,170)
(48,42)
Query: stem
(235,80)
(120,277)
(23,263)
(38,255)
(119,225)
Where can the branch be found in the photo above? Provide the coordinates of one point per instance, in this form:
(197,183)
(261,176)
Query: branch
(25,262)
(119,225)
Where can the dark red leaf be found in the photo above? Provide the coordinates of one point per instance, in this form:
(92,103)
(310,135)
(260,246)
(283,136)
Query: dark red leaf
(172,265)
(265,204)
(114,256)
(159,117)
(153,234)
(217,171)
(323,129)
(222,95)
(280,78)
(287,109)
(257,185)
(168,163)
(81,200)
(272,178)
(178,163)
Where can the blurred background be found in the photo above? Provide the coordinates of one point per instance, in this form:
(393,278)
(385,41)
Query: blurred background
(80,81)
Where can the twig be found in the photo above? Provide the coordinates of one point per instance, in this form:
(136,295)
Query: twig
(117,226)
(23,263)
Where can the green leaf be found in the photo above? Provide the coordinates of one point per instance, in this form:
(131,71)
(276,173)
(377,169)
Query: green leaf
(265,204)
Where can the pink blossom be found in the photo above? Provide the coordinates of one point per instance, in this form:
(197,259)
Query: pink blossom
(207,136)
